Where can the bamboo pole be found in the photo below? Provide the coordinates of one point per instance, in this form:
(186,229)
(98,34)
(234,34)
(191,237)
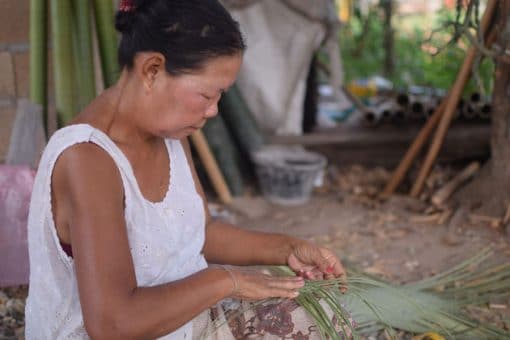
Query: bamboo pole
(240,120)
(211,166)
(107,38)
(63,59)
(39,57)
(451,104)
(84,59)
(225,152)
(413,151)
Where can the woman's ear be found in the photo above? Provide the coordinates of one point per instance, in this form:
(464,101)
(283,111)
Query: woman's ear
(150,66)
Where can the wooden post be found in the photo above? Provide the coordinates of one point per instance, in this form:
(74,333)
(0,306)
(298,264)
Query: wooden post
(451,104)
(209,162)
(413,151)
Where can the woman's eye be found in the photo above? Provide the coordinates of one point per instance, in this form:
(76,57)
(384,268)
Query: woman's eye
(206,97)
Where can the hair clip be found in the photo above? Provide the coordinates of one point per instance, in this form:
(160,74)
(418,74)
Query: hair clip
(126,6)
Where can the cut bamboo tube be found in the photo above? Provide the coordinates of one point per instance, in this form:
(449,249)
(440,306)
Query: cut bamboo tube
(417,108)
(211,166)
(471,112)
(61,28)
(39,56)
(372,117)
(485,111)
(413,151)
(403,99)
(451,104)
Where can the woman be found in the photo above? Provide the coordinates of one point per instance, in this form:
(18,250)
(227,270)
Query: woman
(119,234)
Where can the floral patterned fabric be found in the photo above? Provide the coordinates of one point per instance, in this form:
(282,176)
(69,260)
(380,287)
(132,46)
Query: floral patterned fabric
(271,320)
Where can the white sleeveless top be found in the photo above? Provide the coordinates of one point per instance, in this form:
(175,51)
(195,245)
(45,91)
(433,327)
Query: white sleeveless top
(166,238)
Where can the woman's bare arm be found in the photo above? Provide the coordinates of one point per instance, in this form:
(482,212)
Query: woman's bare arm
(228,244)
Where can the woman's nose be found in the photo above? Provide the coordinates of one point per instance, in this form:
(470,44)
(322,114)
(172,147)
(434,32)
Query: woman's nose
(212,110)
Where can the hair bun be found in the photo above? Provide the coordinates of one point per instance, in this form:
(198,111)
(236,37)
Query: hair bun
(124,21)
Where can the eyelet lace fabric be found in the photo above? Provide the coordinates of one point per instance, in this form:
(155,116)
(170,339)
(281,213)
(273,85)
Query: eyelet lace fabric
(165,238)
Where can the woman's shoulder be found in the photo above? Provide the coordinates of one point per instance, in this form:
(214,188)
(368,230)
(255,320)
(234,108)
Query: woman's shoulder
(87,165)
(76,144)
(70,160)
(68,136)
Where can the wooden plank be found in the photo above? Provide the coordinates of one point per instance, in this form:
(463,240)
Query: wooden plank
(387,144)
(360,136)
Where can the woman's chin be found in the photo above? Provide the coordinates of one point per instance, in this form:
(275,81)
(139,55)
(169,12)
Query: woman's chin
(181,134)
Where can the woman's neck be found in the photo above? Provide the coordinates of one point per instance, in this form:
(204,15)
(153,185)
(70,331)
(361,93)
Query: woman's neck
(115,113)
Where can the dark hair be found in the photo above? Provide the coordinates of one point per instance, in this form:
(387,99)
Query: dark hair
(186,32)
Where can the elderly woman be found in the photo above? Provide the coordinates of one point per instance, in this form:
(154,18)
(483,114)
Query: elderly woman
(119,234)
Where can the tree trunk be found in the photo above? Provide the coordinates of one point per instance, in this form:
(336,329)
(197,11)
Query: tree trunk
(389,57)
(490,191)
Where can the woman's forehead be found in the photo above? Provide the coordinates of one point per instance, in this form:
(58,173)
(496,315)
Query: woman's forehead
(221,70)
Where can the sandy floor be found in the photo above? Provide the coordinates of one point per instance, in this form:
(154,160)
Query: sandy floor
(383,238)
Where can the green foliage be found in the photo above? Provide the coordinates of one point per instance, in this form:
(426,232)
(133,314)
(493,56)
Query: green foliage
(423,55)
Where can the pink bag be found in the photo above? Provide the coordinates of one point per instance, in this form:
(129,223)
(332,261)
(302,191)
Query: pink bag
(16,183)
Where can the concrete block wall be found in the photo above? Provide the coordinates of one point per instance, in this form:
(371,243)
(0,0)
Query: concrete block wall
(14,64)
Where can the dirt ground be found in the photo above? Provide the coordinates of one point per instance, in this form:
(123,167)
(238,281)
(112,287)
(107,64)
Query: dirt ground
(383,238)
(401,239)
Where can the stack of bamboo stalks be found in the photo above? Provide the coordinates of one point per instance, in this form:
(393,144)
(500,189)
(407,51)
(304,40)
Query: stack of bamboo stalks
(73,27)
(408,107)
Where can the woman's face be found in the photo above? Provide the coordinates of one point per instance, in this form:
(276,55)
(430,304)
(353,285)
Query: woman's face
(180,105)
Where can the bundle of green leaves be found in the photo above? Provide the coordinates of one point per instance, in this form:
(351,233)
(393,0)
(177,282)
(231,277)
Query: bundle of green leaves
(435,304)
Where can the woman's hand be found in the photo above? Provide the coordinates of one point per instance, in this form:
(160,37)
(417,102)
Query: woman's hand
(316,263)
(252,285)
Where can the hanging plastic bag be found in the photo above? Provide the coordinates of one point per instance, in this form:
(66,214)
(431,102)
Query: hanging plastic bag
(16,182)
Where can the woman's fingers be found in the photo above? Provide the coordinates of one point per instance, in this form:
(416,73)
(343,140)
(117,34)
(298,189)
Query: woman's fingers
(254,285)
(284,293)
(314,274)
(334,266)
(308,272)
(308,256)
(285,287)
(285,282)
(338,269)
